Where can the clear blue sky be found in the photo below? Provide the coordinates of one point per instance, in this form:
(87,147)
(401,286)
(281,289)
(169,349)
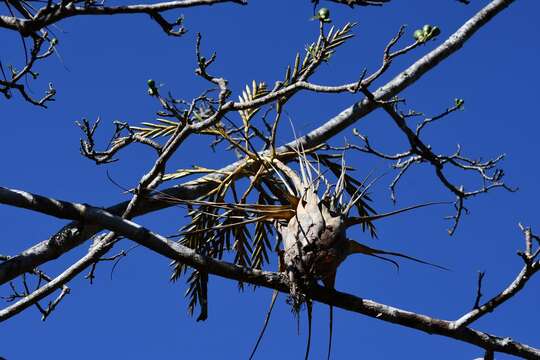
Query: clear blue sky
(139,314)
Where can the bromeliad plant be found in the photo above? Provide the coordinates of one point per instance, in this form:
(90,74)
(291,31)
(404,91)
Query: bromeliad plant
(310,227)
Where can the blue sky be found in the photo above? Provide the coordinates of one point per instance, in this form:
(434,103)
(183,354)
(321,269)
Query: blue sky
(139,314)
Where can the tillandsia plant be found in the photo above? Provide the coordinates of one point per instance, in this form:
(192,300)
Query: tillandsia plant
(310,227)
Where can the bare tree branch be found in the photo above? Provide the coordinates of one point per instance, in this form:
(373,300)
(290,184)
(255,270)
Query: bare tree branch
(420,152)
(52,13)
(276,281)
(40,276)
(529,269)
(479,294)
(35,22)
(13,82)
(76,233)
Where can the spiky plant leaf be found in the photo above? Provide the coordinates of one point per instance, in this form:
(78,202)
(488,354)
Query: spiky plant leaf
(319,51)
(197,293)
(351,185)
(261,242)
(164,127)
(242,245)
(180,173)
(256,91)
(203,217)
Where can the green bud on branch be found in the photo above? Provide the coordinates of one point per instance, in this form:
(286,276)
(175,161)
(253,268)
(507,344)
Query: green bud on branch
(152,90)
(427,32)
(323,15)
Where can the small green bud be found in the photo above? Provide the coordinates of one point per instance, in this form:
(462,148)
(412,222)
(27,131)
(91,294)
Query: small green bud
(459,102)
(152,90)
(54,42)
(418,35)
(427,29)
(324,14)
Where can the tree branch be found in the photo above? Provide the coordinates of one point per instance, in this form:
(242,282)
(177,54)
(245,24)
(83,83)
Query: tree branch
(74,234)
(529,269)
(34,23)
(271,280)
(52,13)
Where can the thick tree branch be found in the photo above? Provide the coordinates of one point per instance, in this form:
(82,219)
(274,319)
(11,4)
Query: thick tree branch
(98,250)
(53,13)
(276,281)
(76,233)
